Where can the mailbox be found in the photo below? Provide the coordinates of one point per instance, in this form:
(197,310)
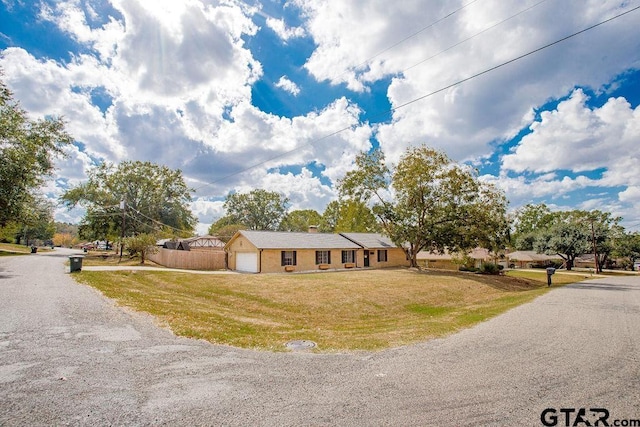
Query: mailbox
(550,271)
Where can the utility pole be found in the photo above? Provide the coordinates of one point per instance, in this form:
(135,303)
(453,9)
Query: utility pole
(122,208)
(595,250)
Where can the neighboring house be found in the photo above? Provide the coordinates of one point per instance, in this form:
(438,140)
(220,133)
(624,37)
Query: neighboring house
(451,261)
(207,242)
(192,243)
(531,259)
(273,252)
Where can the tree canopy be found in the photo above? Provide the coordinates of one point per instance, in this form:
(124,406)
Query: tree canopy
(627,246)
(224,229)
(300,220)
(257,210)
(428,202)
(348,216)
(155,200)
(570,234)
(28,149)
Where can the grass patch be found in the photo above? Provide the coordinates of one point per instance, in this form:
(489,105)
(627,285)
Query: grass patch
(7,249)
(341,311)
(111,258)
(559,278)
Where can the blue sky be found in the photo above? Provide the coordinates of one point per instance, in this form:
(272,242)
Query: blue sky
(283,94)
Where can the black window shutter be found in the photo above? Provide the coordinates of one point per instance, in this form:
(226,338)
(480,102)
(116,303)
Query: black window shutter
(294,258)
(328,257)
(282,258)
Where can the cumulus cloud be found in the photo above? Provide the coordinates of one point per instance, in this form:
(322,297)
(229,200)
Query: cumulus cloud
(577,138)
(359,44)
(284,32)
(172,82)
(285,84)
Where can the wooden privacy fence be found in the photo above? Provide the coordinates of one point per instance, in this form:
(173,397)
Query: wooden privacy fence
(190,260)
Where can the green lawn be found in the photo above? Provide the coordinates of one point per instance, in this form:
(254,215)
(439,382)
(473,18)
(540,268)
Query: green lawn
(12,249)
(340,311)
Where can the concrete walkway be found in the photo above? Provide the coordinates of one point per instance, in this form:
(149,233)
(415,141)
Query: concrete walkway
(69,356)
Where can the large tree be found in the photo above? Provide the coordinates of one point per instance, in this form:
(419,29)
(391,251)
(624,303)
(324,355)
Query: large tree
(37,225)
(570,234)
(300,220)
(155,199)
(28,149)
(627,246)
(529,221)
(348,216)
(429,202)
(257,210)
(224,229)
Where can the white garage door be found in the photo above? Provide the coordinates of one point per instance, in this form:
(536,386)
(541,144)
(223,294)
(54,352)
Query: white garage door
(247,261)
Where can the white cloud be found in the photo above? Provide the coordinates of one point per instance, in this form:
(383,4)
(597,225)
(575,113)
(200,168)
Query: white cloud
(354,37)
(285,84)
(177,78)
(577,138)
(284,32)
(631,195)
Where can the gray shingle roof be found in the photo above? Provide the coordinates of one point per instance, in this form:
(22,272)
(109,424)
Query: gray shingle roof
(286,240)
(370,240)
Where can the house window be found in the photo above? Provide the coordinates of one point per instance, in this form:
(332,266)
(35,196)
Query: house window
(323,257)
(348,257)
(382,255)
(288,257)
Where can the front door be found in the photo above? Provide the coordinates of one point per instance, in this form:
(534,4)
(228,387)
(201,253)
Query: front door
(366,258)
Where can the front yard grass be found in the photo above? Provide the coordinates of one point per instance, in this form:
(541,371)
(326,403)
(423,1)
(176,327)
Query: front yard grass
(9,249)
(340,311)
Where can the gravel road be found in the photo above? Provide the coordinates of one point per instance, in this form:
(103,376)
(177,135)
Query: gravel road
(69,356)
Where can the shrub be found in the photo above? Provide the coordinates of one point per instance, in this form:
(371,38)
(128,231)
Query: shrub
(488,268)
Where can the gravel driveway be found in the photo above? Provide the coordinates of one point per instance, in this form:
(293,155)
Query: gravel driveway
(69,356)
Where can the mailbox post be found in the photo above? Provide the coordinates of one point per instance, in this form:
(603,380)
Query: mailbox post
(550,271)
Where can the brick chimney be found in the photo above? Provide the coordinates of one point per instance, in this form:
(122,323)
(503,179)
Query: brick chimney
(313,229)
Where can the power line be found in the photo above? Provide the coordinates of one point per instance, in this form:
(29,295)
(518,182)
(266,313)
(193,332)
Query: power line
(366,61)
(442,89)
(488,70)
(437,21)
(474,36)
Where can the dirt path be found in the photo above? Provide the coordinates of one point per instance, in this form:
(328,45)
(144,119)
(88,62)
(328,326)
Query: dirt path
(70,356)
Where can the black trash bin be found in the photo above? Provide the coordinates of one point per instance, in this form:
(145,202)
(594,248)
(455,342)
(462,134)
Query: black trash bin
(34,249)
(75,261)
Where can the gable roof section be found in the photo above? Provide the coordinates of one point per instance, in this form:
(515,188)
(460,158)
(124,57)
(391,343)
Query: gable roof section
(370,240)
(287,240)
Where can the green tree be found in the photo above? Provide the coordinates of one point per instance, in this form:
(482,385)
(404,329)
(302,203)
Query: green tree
(627,246)
(37,226)
(28,149)
(570,234)
(257,210)
(435,204)
(142,245)
(155,200)
(224,229)
(330,217)
(529,221)
(300,220)
(348,216)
